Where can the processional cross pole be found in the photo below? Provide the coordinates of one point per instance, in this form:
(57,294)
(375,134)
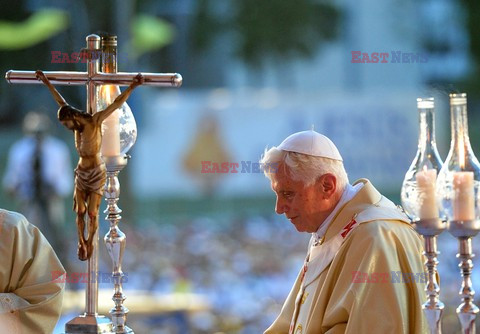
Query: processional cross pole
(91,322)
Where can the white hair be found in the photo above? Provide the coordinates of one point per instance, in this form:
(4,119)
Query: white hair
(302,167)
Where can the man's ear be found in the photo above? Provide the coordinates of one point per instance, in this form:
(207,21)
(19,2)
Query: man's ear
(328,184)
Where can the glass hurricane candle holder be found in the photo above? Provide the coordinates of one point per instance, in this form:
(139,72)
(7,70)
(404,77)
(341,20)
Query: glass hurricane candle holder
(418,201)
(119,130)
(119,135)
(418,189)
(458,182)
(457,195)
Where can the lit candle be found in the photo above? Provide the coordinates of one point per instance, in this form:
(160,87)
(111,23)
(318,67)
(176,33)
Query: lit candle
(111,134)
(463,201)
(426,193)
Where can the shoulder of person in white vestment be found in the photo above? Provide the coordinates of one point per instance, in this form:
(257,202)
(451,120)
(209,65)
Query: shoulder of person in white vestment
(30,294)
(10,220)
(25,243)
(367,205)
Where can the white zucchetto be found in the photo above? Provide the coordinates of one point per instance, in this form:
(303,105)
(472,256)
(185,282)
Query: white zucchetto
(311,143)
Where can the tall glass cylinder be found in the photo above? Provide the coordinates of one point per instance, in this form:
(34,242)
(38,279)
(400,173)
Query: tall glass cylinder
(119,130)
(458,197)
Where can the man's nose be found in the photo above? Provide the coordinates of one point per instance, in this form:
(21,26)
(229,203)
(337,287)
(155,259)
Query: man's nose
(280,207)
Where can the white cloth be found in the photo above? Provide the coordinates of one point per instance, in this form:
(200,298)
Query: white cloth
(349,192)
(30,294)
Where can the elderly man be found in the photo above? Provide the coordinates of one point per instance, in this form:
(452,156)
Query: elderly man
(364,269)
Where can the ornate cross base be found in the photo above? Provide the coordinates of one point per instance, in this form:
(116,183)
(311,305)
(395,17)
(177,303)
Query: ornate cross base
(89,324)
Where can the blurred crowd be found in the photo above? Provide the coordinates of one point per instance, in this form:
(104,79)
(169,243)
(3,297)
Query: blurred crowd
(243,266)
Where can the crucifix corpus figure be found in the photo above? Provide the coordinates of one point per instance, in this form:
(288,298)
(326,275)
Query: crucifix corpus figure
(90,174)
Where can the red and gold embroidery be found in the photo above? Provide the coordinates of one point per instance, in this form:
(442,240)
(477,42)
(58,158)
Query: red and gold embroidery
(348,228)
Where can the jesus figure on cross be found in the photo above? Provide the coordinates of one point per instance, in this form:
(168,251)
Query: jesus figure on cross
(90,174)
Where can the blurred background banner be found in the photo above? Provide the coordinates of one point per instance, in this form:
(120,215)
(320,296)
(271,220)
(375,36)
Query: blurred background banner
(235,126)
(207,248)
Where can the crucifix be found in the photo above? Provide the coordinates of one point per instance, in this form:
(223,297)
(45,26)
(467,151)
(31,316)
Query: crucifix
(90,321)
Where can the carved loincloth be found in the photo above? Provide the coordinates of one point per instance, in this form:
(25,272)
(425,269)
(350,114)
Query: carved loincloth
(91,180)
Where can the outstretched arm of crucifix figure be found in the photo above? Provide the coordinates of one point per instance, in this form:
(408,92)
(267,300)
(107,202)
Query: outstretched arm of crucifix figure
(56,95)
(117,103)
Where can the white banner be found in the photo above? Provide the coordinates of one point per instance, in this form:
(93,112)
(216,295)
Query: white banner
(376,135)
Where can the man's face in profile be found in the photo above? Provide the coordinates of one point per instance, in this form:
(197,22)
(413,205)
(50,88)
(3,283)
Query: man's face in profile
(304,206)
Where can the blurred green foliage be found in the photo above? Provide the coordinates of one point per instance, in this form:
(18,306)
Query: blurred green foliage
(150,33)
(37,28)
(268,29)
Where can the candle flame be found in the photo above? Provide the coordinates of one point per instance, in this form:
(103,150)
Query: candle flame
(106,93)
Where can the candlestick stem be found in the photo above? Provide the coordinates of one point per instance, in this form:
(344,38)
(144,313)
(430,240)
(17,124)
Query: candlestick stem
(467,310)
(115,241)
(433,307)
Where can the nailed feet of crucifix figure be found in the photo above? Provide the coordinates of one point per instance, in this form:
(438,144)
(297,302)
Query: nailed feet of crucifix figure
(90,174)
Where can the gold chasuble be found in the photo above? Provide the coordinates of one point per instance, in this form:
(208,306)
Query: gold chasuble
(366,276)
(30,299)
